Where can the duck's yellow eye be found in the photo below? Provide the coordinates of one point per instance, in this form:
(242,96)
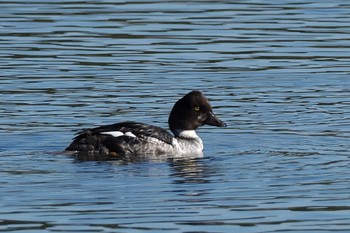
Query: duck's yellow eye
(196,109)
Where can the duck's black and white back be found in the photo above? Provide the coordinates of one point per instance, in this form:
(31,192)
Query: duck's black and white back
(132,139)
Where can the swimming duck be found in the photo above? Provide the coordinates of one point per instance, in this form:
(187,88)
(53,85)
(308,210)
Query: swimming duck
(132,138)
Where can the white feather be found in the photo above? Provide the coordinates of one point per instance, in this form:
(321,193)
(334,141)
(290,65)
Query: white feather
(114,133)
(119,133)
(130,134)
(189,134)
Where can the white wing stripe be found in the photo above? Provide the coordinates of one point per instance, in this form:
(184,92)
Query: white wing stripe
(118,134)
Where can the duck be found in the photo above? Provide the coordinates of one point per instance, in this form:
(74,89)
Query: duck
(128,139)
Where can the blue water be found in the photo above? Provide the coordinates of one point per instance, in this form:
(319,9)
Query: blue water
(277,73)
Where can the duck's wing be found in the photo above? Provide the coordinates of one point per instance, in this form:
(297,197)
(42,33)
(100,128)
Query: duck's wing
(126,138)
(131,129)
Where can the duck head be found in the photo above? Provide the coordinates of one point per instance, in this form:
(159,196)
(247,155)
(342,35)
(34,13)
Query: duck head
(191,111)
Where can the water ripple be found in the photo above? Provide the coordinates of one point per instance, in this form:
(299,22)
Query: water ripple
(276,72)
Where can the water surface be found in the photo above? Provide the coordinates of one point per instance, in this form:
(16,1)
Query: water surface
(276,73)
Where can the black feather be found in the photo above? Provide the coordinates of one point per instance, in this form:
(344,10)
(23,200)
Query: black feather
(94,139)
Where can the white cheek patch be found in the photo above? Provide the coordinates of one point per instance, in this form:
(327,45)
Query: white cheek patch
(118,134)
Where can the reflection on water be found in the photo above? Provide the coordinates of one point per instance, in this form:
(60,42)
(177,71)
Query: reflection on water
(276,72)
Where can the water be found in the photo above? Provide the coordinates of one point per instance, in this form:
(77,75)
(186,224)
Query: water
(277,73)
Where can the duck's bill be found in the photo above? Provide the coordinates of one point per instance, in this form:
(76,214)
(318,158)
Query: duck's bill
(214,121)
